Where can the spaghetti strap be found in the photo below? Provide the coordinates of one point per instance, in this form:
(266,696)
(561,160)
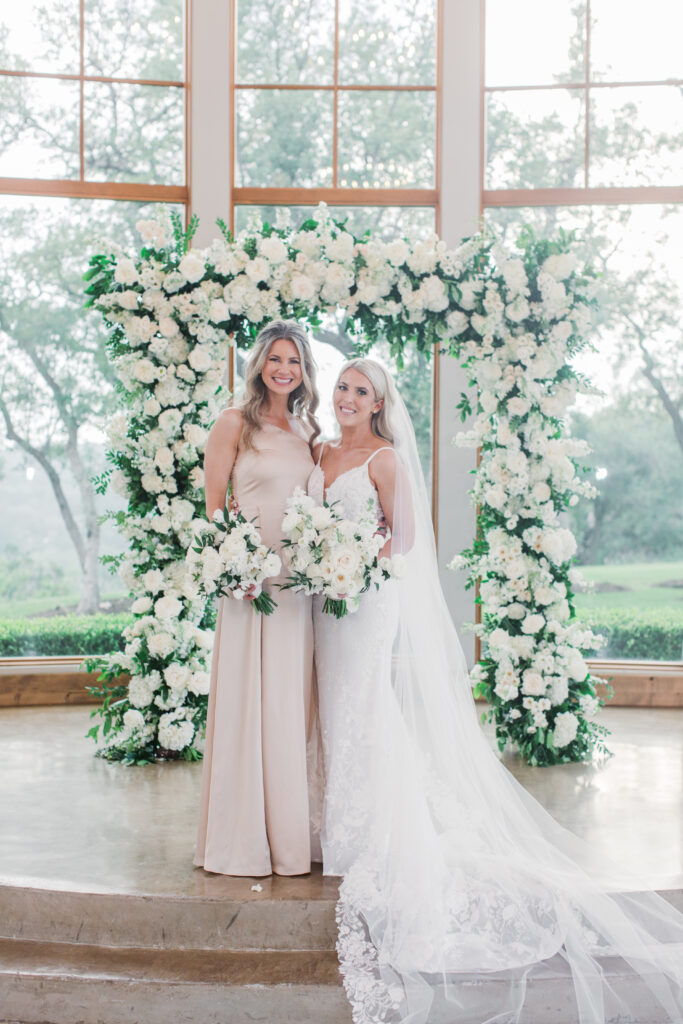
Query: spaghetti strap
(386,448)
(320,453)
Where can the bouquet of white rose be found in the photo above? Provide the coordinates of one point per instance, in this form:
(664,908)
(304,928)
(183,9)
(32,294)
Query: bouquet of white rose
(228,557)
(327,554)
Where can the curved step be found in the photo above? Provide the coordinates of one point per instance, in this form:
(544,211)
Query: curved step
(156,921)
(64,983)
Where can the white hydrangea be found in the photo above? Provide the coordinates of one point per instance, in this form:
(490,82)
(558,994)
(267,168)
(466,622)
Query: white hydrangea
(566,727)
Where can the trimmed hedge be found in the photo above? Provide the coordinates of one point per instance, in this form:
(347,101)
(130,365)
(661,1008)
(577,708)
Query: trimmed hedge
(62,634)
(645,636)
(655,635)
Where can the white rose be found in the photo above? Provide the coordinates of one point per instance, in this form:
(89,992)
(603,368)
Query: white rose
(533,623)
(141,606)
(153,580)
(145,371)
(199,683)
(191,267)
(160,644)
(273,248)
(125,272)
(168,607)
(303,288)
(533,683)
(177,676)
(218,311)
(168,327)
(257,269)
(199,359)
(170,420)
(164,460)
(151,407)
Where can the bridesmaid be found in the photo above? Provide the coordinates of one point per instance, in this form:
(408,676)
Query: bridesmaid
(254,809)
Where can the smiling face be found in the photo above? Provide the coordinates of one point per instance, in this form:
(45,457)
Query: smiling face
(281,372)
(354,399)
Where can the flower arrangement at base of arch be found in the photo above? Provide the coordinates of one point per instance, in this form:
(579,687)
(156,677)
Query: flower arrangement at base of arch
(513,321)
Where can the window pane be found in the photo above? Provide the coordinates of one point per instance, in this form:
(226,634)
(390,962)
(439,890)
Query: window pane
(385,222)
(636,136)
(285,42)
(634,42)
(39,128)
(283,138)
(46,246)
(392,42)
(534,42)
(134,38)
(387,139)
(40,35)
(630,538)
(535,139)
(134,133)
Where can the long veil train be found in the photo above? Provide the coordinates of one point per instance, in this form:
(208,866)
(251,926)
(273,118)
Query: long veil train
(467,889)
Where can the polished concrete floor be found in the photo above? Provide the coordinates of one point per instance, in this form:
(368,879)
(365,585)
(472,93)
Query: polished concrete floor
(70,820)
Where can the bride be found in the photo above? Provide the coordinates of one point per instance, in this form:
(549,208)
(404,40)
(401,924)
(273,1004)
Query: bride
(460,892)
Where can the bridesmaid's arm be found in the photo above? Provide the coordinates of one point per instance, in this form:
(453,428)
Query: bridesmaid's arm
(219,458)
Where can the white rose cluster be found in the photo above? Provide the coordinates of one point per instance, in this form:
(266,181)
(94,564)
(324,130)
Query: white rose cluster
(533,672)
(332,556)
(512,320)
(228,557)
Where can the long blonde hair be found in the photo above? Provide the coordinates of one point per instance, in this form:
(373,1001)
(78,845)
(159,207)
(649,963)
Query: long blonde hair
(302,402)
(384,389)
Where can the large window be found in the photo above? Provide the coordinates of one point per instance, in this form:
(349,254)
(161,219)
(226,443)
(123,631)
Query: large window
(92,131)
(337,102)
(586,133)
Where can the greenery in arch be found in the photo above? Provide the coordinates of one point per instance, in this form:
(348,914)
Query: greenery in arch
(513,320)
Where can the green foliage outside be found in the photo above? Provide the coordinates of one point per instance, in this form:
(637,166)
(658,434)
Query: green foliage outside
(62,634)
(640,636)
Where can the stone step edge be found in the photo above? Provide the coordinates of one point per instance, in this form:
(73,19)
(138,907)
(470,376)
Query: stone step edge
(163,923)
(51,960)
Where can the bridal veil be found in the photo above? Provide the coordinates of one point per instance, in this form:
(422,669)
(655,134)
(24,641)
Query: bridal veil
(468,892)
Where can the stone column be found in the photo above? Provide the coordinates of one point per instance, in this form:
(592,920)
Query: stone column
(460,205)
(209,137)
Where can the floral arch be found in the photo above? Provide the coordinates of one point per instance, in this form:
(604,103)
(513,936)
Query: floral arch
(513,321)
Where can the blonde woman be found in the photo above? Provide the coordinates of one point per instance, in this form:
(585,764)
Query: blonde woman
(254,811)
(459,889)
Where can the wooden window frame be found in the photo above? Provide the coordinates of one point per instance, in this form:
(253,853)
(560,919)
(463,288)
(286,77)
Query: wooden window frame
(80,187)
(336,196)
(624,672)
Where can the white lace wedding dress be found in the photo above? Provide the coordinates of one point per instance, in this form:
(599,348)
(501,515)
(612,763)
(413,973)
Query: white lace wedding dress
(459,889)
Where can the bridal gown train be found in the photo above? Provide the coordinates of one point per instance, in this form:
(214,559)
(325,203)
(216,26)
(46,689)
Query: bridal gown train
(459,889)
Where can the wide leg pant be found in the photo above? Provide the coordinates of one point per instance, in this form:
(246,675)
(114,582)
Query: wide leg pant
(254,807)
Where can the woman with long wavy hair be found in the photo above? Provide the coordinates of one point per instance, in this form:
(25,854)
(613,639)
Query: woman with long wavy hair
(254,809)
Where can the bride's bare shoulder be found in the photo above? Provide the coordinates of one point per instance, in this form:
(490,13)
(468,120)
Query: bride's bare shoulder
(382,467)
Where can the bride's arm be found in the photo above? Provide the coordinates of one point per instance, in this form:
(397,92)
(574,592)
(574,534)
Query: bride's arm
(386,474)
(219,458)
